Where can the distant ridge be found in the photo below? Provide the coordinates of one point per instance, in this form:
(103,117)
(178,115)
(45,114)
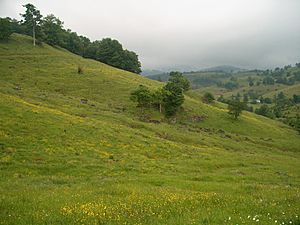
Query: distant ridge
(151,72)
(221,68)
(224,68)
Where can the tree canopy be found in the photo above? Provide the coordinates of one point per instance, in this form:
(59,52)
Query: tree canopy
(235,108)
(52,28)
(5,29)
(178,79)
(167,99)
(32,20)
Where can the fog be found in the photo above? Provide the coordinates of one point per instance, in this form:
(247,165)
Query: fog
(186,35)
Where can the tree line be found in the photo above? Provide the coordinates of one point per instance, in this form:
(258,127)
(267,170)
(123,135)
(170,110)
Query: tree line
(49,29)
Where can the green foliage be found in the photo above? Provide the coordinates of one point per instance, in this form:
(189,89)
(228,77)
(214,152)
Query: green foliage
(111,52)
(245,98)
(5,29)
(295,122)
(264,110)
(32,20)
(130,62)
(169,98)
(52,29)
(173,98)
(296,99)
(235,108)
(208,97)
(142,96)
(77,44)
(230,85)
(268,80)
(158,98)
(178,79)
(221,99)
(251,81)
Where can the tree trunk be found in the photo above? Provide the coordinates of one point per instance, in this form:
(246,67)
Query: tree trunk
(33,33)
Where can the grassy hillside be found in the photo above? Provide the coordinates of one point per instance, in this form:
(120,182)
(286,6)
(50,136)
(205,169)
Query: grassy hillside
(66,162)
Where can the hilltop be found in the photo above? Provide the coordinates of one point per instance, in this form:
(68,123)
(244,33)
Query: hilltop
(74,150)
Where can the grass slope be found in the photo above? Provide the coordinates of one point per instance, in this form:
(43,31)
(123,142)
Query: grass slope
(64,162)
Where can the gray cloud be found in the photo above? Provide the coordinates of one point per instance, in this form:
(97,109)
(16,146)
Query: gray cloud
(186,34)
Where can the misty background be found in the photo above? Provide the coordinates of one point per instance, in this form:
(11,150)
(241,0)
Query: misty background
(185,35)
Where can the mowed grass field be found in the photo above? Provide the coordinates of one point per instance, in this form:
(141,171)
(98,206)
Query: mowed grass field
(68,161)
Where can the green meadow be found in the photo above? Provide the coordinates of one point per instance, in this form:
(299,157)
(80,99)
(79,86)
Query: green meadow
(75,150)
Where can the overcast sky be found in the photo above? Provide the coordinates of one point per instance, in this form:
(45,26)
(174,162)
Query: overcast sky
(186,34)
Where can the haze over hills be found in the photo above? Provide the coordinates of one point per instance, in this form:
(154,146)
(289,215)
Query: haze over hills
(224,68)
(75,150)
(221,68)
(149,72)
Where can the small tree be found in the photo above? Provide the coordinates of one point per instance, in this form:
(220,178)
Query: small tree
(158,98)
(245,98)
(250,81)
(80,69)
(32,22)
(142,96)
(208,97)
(5,29)
(235,108)
(173,98)
(264,110)
(180,80)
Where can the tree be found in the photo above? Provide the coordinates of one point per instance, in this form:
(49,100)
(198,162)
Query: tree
(52,29)
(264,110)
(158,98)
(221,99)
(235,108)
(296,99)
(208,97)
(238,96)
(85,43)
(5,29)
(250,81)
(32,22)
(142,96)
(73,42)
(268,100)
(131,62)
(230,85)
(111,52)
(182,82)
(245,98)
(295,122)
(268,81)
(173,98)
(16,26)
